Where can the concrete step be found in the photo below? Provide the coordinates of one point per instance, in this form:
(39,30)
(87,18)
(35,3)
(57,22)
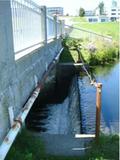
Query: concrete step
(64,145)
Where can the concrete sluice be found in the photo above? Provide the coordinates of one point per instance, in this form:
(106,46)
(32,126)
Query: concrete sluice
(57,108)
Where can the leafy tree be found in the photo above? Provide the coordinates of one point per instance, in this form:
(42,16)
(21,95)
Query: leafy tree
(101,8)
(81,12)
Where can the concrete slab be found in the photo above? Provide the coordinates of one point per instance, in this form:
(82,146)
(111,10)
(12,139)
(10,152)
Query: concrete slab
(64,145)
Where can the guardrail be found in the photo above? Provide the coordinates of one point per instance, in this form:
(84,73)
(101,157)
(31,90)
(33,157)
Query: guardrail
(50,27)
(31,25)
(75,32)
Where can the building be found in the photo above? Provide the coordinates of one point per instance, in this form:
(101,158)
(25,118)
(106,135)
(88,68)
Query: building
(97,19)
(114,13)
(89,13)
(55,11)
(94,16)
(111,13)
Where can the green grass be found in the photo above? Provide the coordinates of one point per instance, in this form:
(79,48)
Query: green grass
(78,19)
(29,147)
(104,28)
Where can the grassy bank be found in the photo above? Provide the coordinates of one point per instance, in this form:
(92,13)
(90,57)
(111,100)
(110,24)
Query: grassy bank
(104,28)
(27,147)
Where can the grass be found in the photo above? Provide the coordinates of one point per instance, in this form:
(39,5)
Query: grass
(104,28)
(28,147)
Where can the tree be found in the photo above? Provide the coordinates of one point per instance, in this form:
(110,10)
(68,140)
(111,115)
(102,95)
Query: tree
(114,4)
(101,8)
(81,12)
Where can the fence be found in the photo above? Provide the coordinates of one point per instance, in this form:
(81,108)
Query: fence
(50,27)
(31,26)
(81,33)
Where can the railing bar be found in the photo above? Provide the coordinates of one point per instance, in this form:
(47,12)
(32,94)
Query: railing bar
(49,17)
(89,32)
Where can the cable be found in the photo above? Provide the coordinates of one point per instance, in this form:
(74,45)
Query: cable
(92,81)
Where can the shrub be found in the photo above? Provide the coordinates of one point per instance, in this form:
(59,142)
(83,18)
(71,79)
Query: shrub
(95,52)
(100,52)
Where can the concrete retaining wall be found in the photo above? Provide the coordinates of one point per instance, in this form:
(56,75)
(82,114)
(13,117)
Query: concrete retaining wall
(19,78)
(74,107)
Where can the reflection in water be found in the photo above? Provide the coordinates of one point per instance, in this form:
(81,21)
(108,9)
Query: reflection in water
(109,77)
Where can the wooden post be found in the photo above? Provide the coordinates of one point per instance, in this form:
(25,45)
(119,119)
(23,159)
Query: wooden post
(98,110)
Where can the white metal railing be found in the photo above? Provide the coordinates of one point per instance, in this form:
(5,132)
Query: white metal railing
(50,27)
(59,28)
(28,21)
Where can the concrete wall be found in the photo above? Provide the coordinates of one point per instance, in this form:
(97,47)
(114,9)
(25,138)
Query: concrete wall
(18,78)
(74,107)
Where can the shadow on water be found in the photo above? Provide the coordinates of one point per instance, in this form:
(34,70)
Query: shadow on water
(66,55)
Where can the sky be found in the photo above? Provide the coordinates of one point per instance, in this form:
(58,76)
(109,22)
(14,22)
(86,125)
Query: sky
(72,6)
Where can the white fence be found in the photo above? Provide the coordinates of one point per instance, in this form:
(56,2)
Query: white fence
(29,26)
(50,27)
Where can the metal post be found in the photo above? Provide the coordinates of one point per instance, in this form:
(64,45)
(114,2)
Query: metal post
(98,110)
(62,28)
(44,23)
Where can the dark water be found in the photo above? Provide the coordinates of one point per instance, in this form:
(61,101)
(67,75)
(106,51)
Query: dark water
(109,77)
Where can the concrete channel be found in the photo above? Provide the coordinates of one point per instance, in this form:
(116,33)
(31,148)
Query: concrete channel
(56,117)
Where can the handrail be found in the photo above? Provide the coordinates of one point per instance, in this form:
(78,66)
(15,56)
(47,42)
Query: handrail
(50,17)
(97,34)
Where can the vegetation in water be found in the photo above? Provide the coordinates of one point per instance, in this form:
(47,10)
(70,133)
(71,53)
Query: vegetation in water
(29,147)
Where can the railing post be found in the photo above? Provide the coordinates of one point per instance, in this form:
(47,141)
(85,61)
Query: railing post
(44,23)
(55,24)
(98,110)
(62,28)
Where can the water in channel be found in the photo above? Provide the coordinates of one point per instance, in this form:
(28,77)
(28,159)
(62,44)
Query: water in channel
(109,77)
(53,118)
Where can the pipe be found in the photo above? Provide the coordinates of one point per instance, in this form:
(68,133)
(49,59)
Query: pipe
(10,137)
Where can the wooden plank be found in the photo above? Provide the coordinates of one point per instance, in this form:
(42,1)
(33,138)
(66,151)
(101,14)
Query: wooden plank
(71,64)
(84,135)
